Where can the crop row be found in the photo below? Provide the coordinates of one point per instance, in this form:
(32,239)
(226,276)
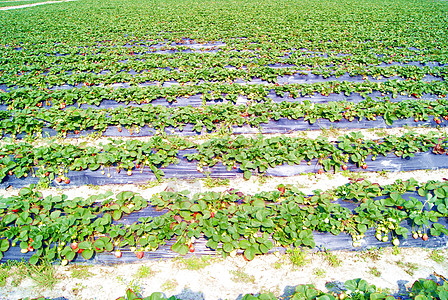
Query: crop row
(52,160)
(343,27)
(15,68)
(58,228)
(139,73)
(212,117)
(356,289)
(27,97)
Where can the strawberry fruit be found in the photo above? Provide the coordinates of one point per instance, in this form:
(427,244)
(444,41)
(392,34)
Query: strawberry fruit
(74,245)
(139,254)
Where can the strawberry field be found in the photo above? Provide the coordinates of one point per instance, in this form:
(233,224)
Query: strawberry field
(139,130)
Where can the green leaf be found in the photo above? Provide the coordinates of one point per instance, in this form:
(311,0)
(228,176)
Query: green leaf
(25,191)
(116,215)
(55,214)
(244,244)
(124,196)
(87,253)
(131,295)
(212,244)
(34,259)
(195,208)
(362,228)
(180,248)
(377,296)
(4,245)
(85,245)
(250,252)
(247,174)
(155,296)
(267,223)
(227,247)
(258,203)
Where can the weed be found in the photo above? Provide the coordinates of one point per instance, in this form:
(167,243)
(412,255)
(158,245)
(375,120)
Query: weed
(383,173)
(408,267)
(169,285)
(135,286)
(395,250)
(214,182)
(332,259)
(297,256)
(144,272)
(78,288)
(330,176)
(44,275)
(374,271)
(195,263)
(318,272)
(330,132)
(437,255)
(380,132)
(151,184)
(4,274)
(262,179)
(240,276)
(93,187)
(372,253)
(80,272)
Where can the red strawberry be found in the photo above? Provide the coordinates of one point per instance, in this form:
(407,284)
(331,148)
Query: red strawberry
(344,167)
(80,251)
(47,174)
(67,181)
(191,248)
(212,214)
(139,254)
(58,179)
(320,171)
(364,166)
(74,245)
(282,189)
(118,254)
(10,173)
(137,166)
(119,129)
(76,131)
(425,237)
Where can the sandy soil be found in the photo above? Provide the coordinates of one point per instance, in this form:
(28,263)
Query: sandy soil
(32,4)
(233,277)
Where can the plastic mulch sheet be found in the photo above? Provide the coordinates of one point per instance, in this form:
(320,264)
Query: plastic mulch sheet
(188,170)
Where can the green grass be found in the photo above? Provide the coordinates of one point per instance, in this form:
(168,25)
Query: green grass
(241,276)
(332,259)
(194,263)
(144,272)
(80,272)
(438,256)
(297,257)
